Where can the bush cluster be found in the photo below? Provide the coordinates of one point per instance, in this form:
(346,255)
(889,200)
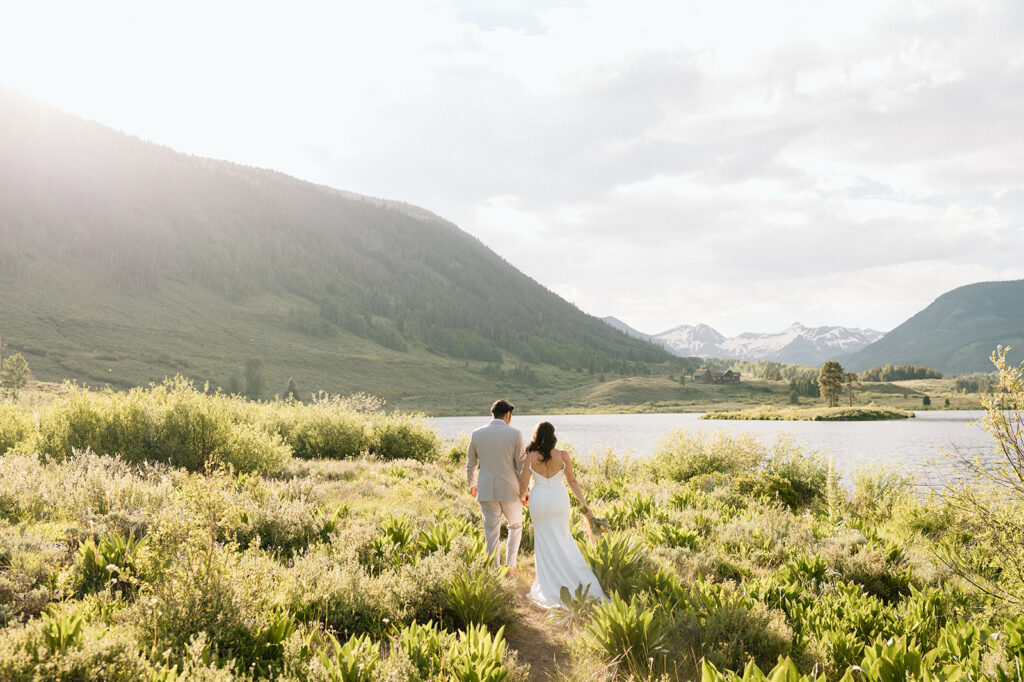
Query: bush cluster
(177,423)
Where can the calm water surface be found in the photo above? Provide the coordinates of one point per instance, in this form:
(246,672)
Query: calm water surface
(914,444)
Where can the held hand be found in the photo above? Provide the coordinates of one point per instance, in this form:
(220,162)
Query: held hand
(472,491)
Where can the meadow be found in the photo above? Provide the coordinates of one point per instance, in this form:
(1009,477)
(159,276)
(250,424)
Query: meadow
(170,533)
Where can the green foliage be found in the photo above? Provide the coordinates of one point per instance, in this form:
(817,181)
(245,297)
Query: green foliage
(110,564)
(403,436)
(241,576)
(254,380)
(890,372)
(799,478)
(15,373)
(577,606)
(326,429)
(628,631)
(62,630)
(830,382)
(785,671)
(479,656)
(986,542)
(671,535)
(15,427)
(826,414)
(878,490)
(173,423)
(617,561)
(355,661)
(425,645)
(478,598)
(682,455)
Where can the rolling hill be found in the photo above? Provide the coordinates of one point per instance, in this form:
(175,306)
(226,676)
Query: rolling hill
(956,333)
(122,262)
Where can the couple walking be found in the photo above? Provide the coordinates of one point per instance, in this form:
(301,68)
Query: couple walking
(499,471)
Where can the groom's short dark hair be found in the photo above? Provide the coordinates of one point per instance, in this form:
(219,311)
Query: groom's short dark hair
(500,408)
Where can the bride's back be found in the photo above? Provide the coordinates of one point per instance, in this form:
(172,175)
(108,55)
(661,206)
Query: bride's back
(550,467)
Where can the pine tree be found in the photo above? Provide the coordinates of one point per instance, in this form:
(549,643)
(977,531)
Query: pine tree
(830,381)
(254,381)
(852,384)
(14,376)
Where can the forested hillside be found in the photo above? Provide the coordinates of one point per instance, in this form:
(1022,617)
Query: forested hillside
(122,261)
(956,333)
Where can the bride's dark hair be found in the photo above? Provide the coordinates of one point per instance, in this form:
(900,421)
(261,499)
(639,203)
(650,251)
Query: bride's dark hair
(543,441)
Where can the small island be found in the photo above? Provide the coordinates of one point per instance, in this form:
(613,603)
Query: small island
(813,414)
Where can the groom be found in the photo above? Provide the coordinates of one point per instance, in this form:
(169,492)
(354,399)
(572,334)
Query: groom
(497,451)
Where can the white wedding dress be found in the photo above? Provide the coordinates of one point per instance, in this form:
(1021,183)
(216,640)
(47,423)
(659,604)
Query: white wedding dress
(559,562)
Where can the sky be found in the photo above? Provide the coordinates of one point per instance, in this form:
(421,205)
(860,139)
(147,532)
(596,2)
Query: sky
(743,164)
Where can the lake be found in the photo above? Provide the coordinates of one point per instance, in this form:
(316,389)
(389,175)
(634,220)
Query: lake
(916,445)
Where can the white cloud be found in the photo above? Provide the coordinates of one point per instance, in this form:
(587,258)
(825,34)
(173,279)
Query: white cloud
(740,163)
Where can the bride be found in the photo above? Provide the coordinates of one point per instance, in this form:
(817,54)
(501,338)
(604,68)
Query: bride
(559,562)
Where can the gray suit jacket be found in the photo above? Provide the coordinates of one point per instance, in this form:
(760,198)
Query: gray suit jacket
(497,450)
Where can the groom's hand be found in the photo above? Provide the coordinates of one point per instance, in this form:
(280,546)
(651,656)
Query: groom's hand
(472,491)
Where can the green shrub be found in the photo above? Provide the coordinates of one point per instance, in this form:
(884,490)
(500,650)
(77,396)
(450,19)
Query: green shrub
(29,566)
(477,597)
(617,561)
(478,656)
(671,535)
(739,631)
(285,526)
(682,455)
(784,671)
(424,645)
(56,648)
(798,477)
(353,662)
(322,430)
(878,490)
(15,427)
(62,630)
(110,564)
(403,436)
(881,572)
(173,423)
(628,631)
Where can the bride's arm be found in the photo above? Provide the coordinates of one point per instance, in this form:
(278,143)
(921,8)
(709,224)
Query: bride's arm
(574,485)
(524,480)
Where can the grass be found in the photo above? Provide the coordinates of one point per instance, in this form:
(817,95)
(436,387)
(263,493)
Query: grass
(723,552)
(820,414)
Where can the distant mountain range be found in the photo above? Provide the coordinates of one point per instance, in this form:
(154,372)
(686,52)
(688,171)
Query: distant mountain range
(795,344)
(956,333)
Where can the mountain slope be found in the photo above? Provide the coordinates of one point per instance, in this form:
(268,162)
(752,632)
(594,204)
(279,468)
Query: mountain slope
(122,261)
(625,328)
(956,333)
(796,344)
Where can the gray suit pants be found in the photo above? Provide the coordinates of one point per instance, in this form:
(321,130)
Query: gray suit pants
(513,513)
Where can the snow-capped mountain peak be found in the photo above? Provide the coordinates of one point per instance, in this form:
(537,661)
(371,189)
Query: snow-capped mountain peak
(796,343)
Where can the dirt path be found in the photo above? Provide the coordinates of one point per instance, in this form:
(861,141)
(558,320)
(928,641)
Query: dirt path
(535,640)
